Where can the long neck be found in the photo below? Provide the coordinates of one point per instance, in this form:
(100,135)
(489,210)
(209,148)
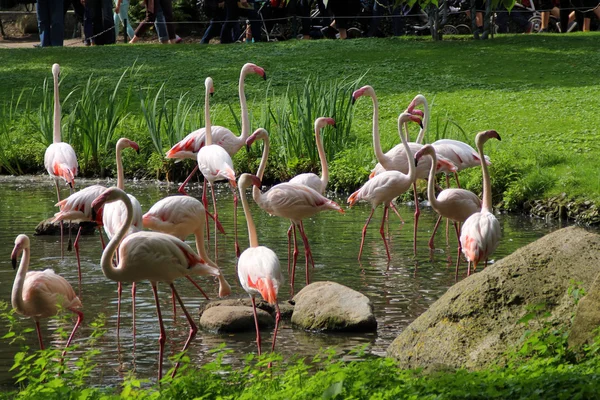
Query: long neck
(207,125)
(431,182)
(245,119)
(120,174)
(261,168)
(425,122)
(323,158)
(106,264)
(487,186)
(252,237)
(376,141)
(200,248)
(17,290)
(56,132)
(412,171)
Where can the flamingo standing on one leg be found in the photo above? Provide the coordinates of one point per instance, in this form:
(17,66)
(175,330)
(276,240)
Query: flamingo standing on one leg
(37,294)
(215,164)
(455,204)
(481,231)
(258,267)
(312,180)
(60,159)
(288,200)
(152,256)
(386,186)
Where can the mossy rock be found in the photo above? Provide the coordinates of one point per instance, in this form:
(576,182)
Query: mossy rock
(477,320)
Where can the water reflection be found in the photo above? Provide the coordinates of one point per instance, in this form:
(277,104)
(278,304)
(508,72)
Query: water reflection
(400,289)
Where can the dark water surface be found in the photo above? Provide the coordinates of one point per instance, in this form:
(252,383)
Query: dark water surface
(400,291)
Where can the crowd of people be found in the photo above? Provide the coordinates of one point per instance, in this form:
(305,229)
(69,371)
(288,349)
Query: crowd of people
(102,19)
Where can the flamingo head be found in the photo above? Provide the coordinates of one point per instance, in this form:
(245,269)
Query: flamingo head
(324,121)
(209,85)
(260,133)
(21,243)
(124,143)
(492,134)
(419,99)
(56,70)
(405,117)
(363,91)
(108,196)
(246,180)
(483,137)
(250,68)
(425,150)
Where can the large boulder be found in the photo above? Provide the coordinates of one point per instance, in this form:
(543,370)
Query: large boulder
(47,227)
(329,306)
(477,320)
(587,317)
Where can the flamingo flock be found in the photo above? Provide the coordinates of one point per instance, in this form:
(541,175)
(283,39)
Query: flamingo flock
(134,255)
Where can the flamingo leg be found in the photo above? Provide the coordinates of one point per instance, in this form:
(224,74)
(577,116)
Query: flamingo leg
(277,319)
(76,246)
(382,231)
(163,336)
(295,260)
(182,187)
(447,220)
(133,290)
(173,302)
(417,213)
(62,250)
(198,287)
(119,291)
(457,229)
(205,204)
(435,228)
(217,222)
(215,213)
(256,323)
(456,177)
(307,252)
(101,237)
(70,242)
(79,320)
(193,327)
(289,247)
(235,232)
(39,334)
(364,233)
(393,207)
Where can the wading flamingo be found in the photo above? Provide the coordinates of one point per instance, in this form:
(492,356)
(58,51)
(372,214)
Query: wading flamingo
(384,187)
(37,294)
(288,200)
(455,204)
(258,267)
(189,146)
(60,159)
(395,159)
(216,165)
(480,233)
(152,256)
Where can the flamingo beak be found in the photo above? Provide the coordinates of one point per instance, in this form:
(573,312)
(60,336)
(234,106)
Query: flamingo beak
(13,259)
(416,161)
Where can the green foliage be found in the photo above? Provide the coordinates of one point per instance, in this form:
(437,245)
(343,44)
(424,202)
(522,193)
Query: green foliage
(9,119)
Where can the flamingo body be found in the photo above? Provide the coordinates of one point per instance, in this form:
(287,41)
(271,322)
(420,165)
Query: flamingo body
(459,153)
(79,204)
(480,236)
(114,215)
(189,146)
(61,162)
(259,272)
(308,179)
(382,189)
(215,164)
(179,216)
(457,204)
(397,161)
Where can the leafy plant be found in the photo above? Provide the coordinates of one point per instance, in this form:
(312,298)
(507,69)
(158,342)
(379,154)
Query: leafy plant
(8,121)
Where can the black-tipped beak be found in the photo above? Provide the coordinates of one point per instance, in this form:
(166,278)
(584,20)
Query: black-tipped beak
(353,100)
(265,76)
(334,125)
(416,161)
(499,138)
(247,148)
(70,185)
(94,214)
(212,94)
(14,262)
(421,124)
(137,151)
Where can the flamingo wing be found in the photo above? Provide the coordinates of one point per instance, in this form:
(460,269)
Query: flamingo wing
(259,272)
(115,214)
(60,161)
(179,216)
(308,179)
(44,290)
(295,202)
(79,204)
(215,163)
(480,236)
(189,146)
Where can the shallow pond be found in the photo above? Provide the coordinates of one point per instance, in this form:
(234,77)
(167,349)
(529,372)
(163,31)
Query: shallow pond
(400,290)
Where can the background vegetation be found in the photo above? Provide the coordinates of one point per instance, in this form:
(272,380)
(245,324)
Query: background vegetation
(541,93)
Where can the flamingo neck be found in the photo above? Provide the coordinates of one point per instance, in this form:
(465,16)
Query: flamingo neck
(207,125)
(421,135)
(412,170)
(376,140)
(56,130)
(486,203)
(17,290)
(431,182)
(200,248)
(261,168)
(252,236)
(120,173)
(245,119)
(323,158)
(108,255)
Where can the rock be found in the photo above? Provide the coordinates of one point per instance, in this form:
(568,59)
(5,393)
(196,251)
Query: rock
(329,306)
(47,227)
(27,23)
(477,320)
(285,308)
(587,317)
(230,319)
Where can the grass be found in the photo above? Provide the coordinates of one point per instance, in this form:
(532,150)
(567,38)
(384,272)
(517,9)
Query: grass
(540,92)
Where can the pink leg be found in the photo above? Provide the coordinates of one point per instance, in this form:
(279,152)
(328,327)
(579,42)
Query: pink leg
(294,262)
(393,207)
(173,302)
(277,319)
(119,291)
(364,233)
(39,334)
(62,237)
(235,207)
(205,204)
(182,187)
(307,252)
(216,214)
(79,320)
(133,290)
(70,242)
(456,177)
(289,248)
(435,228)
(256,323)
(101,238)
(193,327)
(76,246)
(417,213)
(198,287)
(163,336)
(447,220)
(457,229)
(382,231)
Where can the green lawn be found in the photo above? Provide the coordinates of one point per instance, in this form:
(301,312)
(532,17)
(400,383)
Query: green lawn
(540,92)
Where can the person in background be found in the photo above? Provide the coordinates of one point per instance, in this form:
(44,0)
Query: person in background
(121,15)
(234,9)
(100,12)
(215,10)
(342,11)
(593,7)
(51,22)
(151,10)
(160,26)
(394,10)
(82,16)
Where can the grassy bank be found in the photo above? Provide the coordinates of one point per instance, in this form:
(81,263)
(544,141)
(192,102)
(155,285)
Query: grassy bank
(541,93)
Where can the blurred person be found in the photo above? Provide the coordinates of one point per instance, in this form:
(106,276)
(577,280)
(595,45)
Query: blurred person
(151,12)
(51,22)
(100,13)
(342,12)
(215,10)
(121,16)
(234,9)
(394,10)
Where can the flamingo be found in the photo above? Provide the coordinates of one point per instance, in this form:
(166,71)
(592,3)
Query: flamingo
(396,159)
(455,204)
(288,200)
(152,256)
(481,231)
(312,180)
(384,187)
(37,294)
(258,267)
(215,164)
(189,146)
(60,159)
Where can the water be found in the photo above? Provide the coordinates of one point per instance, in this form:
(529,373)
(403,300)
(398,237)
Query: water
(400,290)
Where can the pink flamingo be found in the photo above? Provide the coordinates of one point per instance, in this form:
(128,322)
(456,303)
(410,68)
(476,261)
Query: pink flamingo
(455,204)
(384,187)
(258,267)
(481,231)
(152,256)
(189,146)
(37,294)
(310,179)
(396,159)
(60,159)
(288,200)
(215,164)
